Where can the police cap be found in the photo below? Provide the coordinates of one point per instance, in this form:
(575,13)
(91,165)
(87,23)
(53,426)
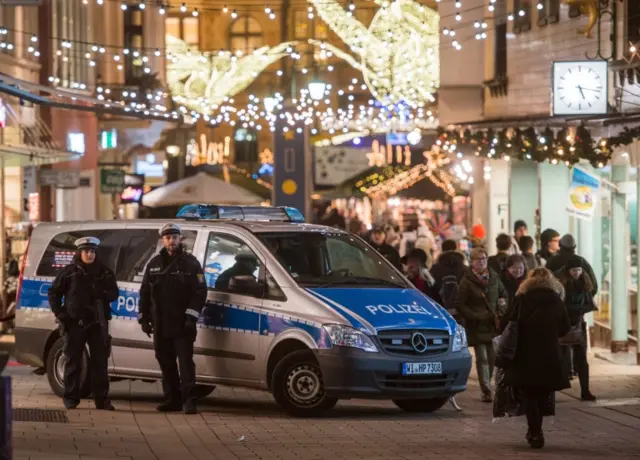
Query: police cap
(87,242)
(170,229)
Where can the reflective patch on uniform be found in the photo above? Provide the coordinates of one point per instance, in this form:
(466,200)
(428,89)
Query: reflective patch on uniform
(200,278)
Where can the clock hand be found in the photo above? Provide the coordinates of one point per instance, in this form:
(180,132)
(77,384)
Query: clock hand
(589,89)
(581,92)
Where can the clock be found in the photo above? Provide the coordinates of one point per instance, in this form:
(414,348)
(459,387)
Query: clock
(580,87)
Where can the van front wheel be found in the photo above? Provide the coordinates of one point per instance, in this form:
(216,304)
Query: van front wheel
(424,406)
(55,370)
(298,387)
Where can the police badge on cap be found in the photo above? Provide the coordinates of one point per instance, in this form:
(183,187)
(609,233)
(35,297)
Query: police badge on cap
(170,229)
(88,242)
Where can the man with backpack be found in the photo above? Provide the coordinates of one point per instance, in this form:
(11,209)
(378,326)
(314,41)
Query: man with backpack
(447,273)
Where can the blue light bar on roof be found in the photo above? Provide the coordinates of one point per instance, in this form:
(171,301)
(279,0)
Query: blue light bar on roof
(257,213)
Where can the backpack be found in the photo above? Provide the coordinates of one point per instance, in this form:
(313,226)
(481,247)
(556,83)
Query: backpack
(448,292)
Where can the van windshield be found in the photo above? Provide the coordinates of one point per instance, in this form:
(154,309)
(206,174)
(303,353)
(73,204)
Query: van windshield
(331,260)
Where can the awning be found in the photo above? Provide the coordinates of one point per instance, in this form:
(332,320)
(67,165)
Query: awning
(27,141)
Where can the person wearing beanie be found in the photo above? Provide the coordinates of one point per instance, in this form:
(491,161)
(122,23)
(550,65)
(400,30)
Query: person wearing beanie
(80,299)
(578,299)
(379,243)
(566,251)
(549,246)
(172,295)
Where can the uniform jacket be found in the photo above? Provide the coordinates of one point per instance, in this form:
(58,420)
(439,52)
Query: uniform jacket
(560,259)
(478,305)
(542,320)
(172,288)
(78,288)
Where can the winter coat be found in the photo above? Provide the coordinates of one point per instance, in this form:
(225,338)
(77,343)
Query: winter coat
(172,288)
(543,256)
(389,253)
(558,261)
(449,263)
(498,263)
(478,305)
(542,319)
(532,261)
(511,285)
(578,298)
(79,289)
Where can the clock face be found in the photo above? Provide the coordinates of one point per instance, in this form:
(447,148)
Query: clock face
(580,88)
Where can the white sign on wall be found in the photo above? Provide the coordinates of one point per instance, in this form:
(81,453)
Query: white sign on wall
(75,143)
(335,164)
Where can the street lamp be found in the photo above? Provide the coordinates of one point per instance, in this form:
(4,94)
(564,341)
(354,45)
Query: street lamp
(316,89)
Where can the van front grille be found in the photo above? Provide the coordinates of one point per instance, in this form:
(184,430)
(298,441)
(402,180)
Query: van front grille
(415,382)
(399,341)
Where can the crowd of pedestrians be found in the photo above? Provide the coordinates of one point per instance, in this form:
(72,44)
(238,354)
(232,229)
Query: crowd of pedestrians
(546,293)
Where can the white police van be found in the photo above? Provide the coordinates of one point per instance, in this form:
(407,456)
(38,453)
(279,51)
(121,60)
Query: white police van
(322,317)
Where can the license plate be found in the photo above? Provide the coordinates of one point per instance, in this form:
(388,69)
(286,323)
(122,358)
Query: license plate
(421,368)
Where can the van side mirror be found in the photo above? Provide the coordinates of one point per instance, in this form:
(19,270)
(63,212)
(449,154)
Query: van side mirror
(246,285)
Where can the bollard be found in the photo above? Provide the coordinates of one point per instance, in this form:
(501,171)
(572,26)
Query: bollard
(6,452)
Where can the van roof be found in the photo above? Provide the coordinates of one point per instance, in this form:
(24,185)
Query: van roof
(251,226)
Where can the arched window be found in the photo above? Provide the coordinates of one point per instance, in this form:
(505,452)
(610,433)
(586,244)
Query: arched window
(245,35)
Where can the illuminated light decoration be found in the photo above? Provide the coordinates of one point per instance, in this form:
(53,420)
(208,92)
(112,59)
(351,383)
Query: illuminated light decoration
(398,54)
(203,81)
(211,153)
(316,90)
(385,155)
(266,157)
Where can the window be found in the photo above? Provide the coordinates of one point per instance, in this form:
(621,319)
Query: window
(30,18)
(330,259)
(133,40)
(228,256)
(522,13)
(304,28)
(500,43)
(71,22)
(62,248)
(246,152)
(245,35)
(550,12)
(138,247)
(8,21)
(184,28)
(633,22)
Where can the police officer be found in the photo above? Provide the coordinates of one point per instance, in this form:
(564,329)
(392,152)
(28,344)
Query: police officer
(88,287)
(172,295)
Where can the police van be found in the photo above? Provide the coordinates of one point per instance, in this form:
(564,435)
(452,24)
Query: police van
(318,315)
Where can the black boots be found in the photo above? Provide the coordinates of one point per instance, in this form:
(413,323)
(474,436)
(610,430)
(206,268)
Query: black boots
(169,406)
(536,441)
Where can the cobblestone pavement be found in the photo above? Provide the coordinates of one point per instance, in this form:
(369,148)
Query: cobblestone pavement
(242,424)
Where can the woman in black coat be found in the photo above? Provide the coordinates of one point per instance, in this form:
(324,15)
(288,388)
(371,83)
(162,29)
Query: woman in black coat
(513,276)
(537,369)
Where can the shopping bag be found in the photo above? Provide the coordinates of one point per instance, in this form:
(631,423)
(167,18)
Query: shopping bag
(507,401)
(575,336)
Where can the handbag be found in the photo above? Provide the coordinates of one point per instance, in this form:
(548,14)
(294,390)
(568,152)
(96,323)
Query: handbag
(575,336)
(506,344)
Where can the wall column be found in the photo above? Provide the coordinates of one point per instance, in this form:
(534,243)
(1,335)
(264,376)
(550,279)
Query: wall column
(554,194)
(618,282)
(585,239)
(523,193)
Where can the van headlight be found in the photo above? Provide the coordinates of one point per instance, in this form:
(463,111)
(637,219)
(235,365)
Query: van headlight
(345,336)
(459,339)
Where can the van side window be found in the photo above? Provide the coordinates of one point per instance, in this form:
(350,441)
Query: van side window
(61,249)
(139,247)
(228,256)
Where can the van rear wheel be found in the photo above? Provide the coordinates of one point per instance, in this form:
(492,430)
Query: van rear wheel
(298,387)
(55,370)
(424,406)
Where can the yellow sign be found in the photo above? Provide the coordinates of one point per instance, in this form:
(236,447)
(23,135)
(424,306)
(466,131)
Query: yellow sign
(289,187)
(211,153)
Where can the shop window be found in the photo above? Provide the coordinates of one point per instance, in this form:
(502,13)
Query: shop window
(246,148)
(522,13)
(71,23)
(245,35)
(550,12)
(633,22)
(184,28)
(222,255)
(133,40)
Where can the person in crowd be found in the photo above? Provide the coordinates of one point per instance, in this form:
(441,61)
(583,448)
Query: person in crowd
(80,299)
(335,219)
(172,295)
(393,238)
(526,249)
(355,225)
(478,235)
(481,301)
(498,263)
(537,370)
(246,265)
(447,273)
(514,274)
(566,251)
(549,246)
(519,230)
(417,271)
(378,242)
(579,301)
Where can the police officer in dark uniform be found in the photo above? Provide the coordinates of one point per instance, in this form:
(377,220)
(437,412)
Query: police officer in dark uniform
(172,295)
(88,287)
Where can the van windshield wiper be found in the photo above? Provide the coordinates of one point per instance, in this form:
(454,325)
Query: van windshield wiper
(362,280)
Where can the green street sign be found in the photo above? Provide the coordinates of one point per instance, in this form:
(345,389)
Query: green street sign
(111,181)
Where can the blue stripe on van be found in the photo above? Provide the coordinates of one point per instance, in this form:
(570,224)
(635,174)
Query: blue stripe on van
(234,318)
